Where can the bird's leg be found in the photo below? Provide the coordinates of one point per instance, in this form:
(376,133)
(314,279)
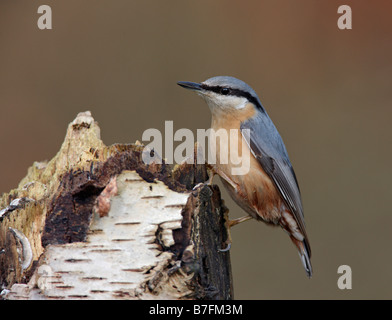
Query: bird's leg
(211,173)
(234,222)
(230,181)
(231,223)
(226,178)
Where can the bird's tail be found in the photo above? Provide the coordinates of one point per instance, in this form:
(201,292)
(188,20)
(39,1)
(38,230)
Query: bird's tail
(299,238)
(304,254)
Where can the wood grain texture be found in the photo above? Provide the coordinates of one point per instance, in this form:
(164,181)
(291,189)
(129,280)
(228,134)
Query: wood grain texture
(96,222)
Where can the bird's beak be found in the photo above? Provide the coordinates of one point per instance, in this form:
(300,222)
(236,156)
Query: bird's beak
(190,85)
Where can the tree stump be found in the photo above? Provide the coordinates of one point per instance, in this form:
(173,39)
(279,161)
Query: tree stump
(96,222)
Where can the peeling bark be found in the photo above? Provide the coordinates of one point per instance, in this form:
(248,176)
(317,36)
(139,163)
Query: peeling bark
(96,222)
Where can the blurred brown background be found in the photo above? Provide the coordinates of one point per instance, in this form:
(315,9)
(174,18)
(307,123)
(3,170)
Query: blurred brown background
(327,90)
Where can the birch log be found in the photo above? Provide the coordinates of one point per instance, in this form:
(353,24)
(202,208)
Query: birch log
(95,222)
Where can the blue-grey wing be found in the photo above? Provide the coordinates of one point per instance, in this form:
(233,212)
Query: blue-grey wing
(268,148)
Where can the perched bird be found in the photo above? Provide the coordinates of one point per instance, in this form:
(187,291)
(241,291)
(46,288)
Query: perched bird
(269,190)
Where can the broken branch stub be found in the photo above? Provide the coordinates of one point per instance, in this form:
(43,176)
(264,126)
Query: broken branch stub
(96,222)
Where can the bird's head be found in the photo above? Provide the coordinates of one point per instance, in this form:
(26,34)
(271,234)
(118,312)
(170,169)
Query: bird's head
(224,93)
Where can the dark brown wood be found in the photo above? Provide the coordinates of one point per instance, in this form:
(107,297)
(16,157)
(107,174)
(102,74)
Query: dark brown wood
(60,213)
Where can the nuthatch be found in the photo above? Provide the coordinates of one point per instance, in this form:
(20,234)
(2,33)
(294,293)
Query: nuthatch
(269,191)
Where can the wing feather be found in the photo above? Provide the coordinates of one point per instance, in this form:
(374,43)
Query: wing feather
(268,148)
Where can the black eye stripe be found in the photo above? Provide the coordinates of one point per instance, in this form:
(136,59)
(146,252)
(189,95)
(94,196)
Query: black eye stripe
(234,92)
(225,91)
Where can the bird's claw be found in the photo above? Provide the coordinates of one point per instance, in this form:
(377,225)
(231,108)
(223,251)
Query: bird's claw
(198,186)
(228,247)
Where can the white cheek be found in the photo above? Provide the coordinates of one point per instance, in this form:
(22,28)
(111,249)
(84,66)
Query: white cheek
(236,102)
(241,105)
(227,102)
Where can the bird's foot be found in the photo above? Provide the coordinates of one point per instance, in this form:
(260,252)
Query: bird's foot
(231,223)
(199,186)
(228,247)
(211,174)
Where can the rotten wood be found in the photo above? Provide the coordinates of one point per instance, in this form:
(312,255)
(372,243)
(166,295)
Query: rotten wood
(96,222)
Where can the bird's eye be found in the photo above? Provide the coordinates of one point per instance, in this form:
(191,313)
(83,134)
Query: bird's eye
(225,91)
